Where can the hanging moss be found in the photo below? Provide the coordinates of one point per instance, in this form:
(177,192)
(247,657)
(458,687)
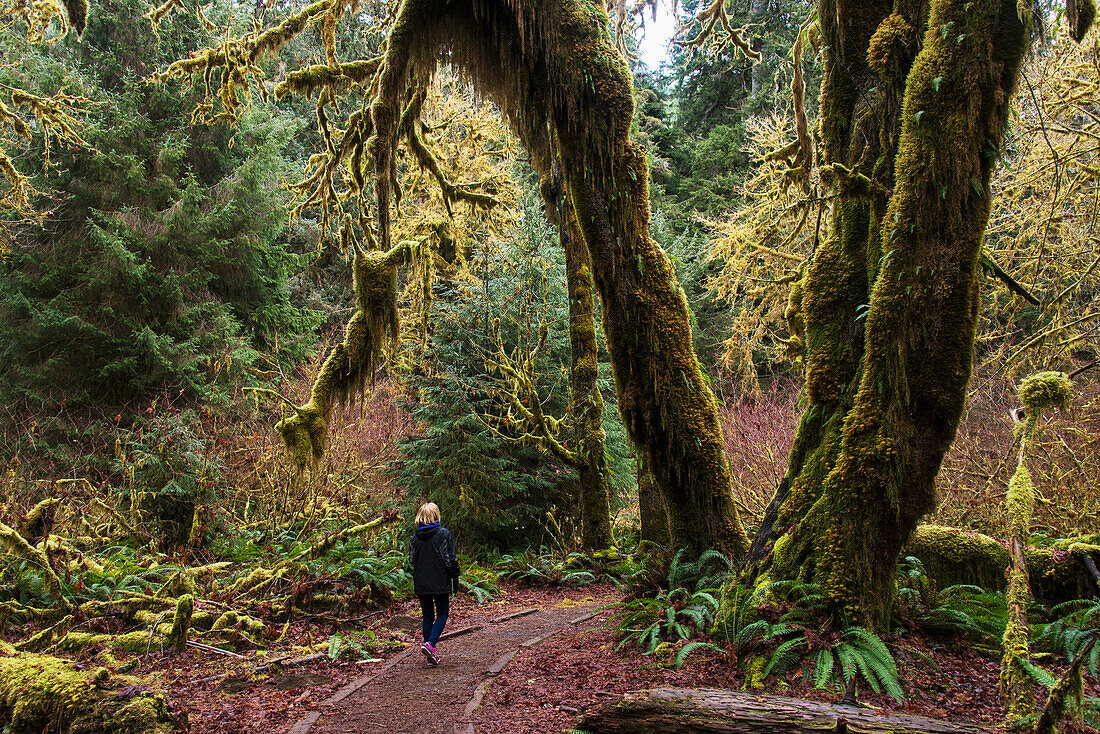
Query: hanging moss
(1079,17)
(556,73)
(77,12)
(370,333)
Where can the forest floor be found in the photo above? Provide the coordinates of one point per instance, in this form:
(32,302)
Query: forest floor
(568,665)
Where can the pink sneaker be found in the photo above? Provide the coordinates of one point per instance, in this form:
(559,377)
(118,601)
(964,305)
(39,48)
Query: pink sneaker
(429,652)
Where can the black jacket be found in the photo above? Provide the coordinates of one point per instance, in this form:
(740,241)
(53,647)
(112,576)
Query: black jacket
(432,557)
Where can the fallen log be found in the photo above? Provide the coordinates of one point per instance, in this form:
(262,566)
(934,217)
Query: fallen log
(719,711)
(952,556)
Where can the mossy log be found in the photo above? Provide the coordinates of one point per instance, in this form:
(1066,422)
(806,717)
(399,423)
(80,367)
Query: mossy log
(952,556)
(39,693)
(704,710)
(140,641)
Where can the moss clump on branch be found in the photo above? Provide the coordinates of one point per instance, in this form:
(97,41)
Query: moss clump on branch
(42,693)
(1045,390)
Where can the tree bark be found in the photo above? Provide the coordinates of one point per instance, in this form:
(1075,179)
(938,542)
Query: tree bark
(705,710)
(651,508)
(910,138)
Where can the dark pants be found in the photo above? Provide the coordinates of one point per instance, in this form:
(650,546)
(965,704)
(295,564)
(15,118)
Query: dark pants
(435,608)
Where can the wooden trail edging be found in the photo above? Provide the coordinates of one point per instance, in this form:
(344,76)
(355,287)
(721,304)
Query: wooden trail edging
(463,726)
(718,711)
(303,725)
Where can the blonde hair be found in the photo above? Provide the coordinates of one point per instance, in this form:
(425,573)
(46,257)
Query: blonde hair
(427,514)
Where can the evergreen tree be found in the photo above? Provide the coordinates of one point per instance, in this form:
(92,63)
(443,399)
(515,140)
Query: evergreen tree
(165,263)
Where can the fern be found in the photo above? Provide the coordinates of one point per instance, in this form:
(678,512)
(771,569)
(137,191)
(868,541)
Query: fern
(683,652)
(1076,623)
(823,668)
(784,657)
(1040,675)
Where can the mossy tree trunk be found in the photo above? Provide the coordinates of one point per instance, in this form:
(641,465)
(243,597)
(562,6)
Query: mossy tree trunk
(651,508)
(554,70)
(586,401)
(913,111)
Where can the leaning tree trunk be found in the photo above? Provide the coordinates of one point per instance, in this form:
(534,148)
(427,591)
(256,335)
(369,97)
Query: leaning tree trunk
(555,71)
(909,141)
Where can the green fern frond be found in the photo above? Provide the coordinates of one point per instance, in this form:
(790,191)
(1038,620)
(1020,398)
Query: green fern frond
(846,657)
(959,590)
(691,647)
(704,597)
(1039,675)
(783,657)
(750,631)
(872,644)
(823,668)
(696,615)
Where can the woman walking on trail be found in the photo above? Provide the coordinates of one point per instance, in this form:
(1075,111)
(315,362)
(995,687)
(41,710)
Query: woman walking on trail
(435,574)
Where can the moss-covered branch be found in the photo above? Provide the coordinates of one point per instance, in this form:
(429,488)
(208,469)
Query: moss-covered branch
(953,556)
(368,337)
(16,545)
(312,78)
(1037,393)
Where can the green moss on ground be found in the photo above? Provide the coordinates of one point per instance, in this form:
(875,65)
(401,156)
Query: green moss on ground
(40,693)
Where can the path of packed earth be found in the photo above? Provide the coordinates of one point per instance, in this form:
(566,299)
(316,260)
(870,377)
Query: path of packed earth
(408,696)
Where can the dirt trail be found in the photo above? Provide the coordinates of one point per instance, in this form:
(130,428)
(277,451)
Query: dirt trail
(408,696)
